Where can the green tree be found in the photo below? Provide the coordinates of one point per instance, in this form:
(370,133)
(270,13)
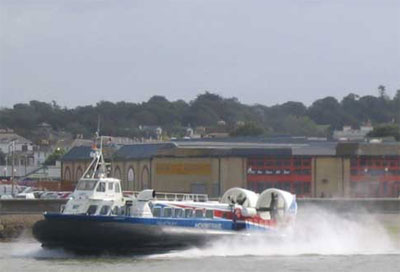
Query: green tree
(248,129)
(386,130)
(55,156)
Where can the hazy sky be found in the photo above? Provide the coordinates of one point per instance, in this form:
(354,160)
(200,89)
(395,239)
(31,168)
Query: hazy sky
(78,52)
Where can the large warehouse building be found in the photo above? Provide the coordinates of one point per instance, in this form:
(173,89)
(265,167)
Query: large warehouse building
(306,168)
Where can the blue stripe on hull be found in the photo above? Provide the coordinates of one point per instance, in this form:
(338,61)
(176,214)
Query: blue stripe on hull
(197,223)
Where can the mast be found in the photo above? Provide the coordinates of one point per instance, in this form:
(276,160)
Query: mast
(97,167)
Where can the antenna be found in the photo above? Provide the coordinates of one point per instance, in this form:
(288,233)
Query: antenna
(97,166)
(98,126)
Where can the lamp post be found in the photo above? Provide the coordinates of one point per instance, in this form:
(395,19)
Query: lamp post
(12,144)
(12,169)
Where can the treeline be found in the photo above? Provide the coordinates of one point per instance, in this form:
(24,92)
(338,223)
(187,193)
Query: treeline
(207,109)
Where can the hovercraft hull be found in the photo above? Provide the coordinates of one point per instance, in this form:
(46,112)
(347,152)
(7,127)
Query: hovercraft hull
(121,234)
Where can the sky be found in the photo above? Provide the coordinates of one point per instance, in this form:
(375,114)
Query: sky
(78,52)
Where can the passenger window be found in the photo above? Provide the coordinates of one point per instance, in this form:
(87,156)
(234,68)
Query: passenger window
(209,214)
(111,186)
(117,189)
(157,212)
(92,209)
(101,187)
(179,213)
(198,213)
(115,210)
(104,210)
(188,213)
(167,212)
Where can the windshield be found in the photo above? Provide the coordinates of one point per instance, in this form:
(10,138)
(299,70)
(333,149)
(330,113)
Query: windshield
(86,185)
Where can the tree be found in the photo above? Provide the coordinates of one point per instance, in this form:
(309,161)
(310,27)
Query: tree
(124,118)
(302,126)
(55,156)
(248,129)
(326,111)
(382,91)
(387,130)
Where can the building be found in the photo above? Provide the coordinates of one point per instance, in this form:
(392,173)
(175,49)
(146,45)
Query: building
(350,134)
(18,153)
(308,168)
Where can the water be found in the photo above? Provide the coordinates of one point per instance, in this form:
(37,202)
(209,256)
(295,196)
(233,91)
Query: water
(322,241)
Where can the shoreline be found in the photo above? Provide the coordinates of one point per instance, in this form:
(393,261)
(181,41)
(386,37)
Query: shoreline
(13,225)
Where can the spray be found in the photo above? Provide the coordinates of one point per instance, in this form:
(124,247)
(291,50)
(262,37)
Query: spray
(317,232)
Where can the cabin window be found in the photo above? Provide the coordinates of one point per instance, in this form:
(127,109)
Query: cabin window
(92,209)
(167,212)
(179,213)
(209,214)
(117,189)
(188,213)
(198,213)
(101,187)
(104,210)
(111,186)
(86,185)
(157,211)
(115,210)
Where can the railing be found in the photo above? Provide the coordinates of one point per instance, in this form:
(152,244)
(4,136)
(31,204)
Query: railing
(174,196)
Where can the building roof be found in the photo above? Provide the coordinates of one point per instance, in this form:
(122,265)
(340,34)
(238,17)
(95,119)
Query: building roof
(368,149)
(78,153)
(315,149)
(8,137)
(141,151)
(237,149)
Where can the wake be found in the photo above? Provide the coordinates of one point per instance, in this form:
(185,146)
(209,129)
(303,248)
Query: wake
(317,232)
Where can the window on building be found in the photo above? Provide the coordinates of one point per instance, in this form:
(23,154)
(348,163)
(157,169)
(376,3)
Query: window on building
(67,174)
(145,178)
(298,187)
(79,173)
(269,163)
(306,162)
(131,178)
(307,188)
(117,173)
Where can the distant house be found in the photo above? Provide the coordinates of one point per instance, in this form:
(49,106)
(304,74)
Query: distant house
(8,136)
(350,134)
(18,151)
(151,132)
